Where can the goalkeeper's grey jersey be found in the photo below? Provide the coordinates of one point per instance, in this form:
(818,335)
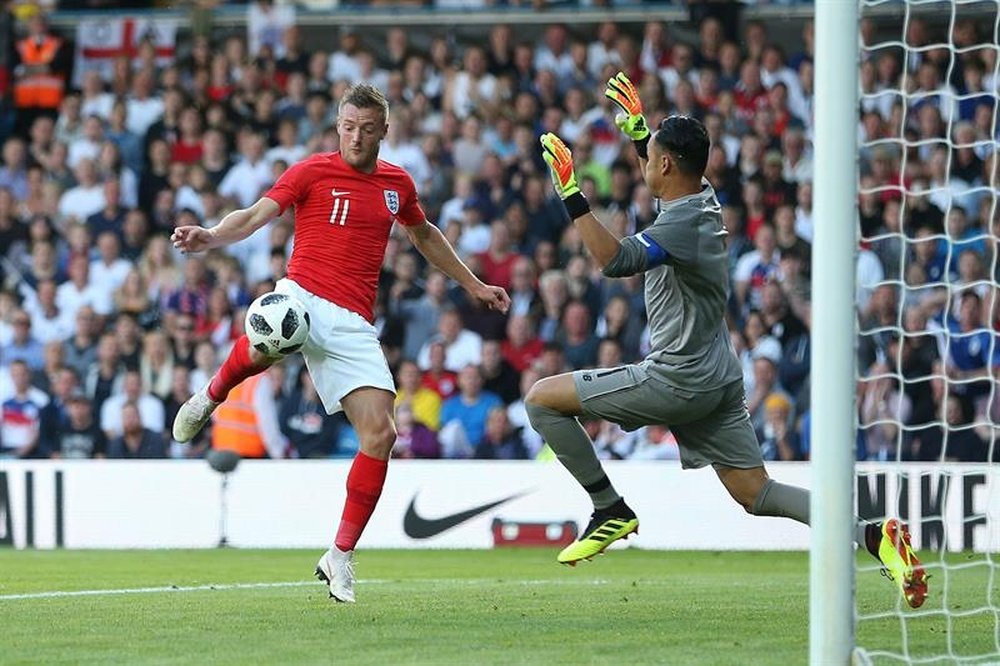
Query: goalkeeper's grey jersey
(687,284)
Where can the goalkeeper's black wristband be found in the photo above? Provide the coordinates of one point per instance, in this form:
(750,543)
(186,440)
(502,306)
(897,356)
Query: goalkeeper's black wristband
(576,205)
(641,147)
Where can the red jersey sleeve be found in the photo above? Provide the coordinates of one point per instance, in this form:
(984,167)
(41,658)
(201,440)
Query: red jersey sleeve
(289,188)
(411,214)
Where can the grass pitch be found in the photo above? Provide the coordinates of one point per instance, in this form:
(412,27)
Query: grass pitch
(453,607)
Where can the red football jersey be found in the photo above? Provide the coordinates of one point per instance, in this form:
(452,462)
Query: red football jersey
(342,223)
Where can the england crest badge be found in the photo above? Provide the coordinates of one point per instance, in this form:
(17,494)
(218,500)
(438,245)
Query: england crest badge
(391,200)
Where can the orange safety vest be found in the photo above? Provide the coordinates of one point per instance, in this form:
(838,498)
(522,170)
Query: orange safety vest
(235,426)
(39,90)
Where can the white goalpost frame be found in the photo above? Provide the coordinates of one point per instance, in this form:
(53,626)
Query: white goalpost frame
(831,559)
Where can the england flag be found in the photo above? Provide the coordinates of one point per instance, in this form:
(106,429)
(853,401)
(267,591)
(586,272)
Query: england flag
(99,41)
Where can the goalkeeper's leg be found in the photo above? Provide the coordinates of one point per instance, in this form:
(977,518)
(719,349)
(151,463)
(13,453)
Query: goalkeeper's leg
(726,440)
(553,405)
(888,542)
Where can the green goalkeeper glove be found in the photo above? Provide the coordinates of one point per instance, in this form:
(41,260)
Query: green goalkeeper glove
(560,160)
(622,92)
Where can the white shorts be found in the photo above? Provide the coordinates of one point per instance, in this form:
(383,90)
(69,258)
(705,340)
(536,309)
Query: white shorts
(343,352)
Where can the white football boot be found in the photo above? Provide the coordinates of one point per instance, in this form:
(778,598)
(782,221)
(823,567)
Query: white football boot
(193,415)
(336,568)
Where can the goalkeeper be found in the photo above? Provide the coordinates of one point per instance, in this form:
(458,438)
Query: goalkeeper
(691,379)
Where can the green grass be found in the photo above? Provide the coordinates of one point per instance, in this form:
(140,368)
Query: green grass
(449,607)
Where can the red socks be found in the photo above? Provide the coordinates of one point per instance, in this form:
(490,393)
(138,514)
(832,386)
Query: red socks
(364,485)
(234,370)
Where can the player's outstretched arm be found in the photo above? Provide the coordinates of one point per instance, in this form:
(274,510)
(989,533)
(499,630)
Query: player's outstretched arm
(630,121)
(617,257)
(234,227)
(601,242)
(431,243)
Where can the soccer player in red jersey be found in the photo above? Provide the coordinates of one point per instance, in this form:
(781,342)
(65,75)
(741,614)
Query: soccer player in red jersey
(345,205)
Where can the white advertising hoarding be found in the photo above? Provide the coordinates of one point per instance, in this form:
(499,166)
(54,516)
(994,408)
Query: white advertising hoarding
(453,504)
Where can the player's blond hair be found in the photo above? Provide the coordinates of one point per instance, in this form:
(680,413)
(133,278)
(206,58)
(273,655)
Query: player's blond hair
(365,96)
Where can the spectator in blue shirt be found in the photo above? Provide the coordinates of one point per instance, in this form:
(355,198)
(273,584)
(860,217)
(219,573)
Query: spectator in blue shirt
(971,349)
(22,346)
(471,406)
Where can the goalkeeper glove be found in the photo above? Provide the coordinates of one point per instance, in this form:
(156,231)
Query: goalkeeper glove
(560,161)
(622,92)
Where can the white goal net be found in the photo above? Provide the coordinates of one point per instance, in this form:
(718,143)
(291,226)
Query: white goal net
(929,322)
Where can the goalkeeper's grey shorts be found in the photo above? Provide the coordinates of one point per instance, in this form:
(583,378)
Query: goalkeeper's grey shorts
(712,427)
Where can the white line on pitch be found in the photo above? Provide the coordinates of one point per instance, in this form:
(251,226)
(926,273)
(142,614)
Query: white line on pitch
(59,594)
(150,590)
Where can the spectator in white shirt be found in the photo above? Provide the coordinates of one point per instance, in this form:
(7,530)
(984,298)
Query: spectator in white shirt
(462,347)
(49,322)
(773,70)
(398,149)
(266,25)
(653,54)
(344,62)
(603,51)
(469,151)
(88,145)
(797,163)
(369,73)
(143,108)
(473,89)
(288,149)
(554,54)
(803,212)
(109,270)
(150,408)
(87,197)
(94,101)
(78,290)
(681,67)
(245,180)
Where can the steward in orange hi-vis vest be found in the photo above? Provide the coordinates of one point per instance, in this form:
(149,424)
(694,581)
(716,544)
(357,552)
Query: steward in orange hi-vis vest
(39,86)
(235,426)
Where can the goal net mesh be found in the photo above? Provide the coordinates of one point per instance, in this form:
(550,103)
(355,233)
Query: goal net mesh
(929,321)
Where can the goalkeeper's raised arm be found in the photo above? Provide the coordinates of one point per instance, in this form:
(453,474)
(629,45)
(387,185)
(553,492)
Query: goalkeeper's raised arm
(673,161)
(631,120)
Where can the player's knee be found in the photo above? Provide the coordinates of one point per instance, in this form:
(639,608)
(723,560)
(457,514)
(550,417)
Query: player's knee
(536,406)
(748,503)
(377,441)
(260,360)
(745,496)
(534,397)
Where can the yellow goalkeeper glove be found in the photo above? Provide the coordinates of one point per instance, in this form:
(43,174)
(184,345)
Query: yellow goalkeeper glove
(622,92)
(560,160)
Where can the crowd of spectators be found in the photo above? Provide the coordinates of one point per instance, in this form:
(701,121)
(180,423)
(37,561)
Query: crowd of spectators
(105,330)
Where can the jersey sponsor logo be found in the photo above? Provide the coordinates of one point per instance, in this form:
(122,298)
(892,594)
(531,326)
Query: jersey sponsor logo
(391,200)
(335,193)
(417,527)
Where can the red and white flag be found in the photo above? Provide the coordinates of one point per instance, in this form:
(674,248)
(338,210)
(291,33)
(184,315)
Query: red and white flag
(99,41)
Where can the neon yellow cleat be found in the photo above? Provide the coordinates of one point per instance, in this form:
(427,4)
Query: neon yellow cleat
(603,530)
(901,563)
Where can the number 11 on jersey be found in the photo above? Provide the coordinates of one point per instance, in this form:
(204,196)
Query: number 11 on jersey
(339,213)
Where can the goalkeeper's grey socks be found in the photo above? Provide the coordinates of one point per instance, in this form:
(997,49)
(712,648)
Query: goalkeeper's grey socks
(778,499)
(575,451)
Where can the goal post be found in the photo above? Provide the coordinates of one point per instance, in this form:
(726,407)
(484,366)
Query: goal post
(831,560)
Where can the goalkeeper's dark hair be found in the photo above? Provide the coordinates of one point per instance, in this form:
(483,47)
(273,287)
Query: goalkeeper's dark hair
(686,139)
(365,96)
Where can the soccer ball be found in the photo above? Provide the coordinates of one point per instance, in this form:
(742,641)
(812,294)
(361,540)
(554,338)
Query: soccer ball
(277,324)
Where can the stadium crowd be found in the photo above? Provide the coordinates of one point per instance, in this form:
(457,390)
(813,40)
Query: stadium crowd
(105,330)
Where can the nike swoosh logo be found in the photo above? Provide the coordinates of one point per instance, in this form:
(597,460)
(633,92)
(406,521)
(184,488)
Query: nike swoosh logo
(335,193)
(417,527)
